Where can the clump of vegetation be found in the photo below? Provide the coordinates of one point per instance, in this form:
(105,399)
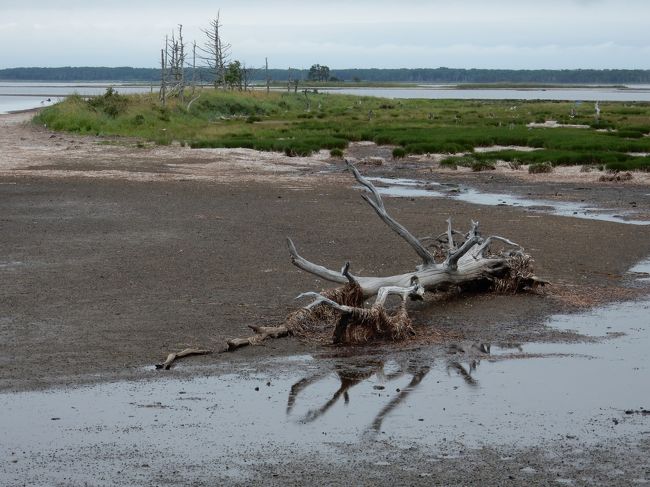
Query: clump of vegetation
(111,103)
(336,153)
(222,118)
(482,166)
(454,161)
(515,164)
(540,167)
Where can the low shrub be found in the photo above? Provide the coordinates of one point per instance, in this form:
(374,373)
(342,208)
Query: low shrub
(336,153)
(540,167)
(111,103)
(515,164)
(399,153)
(482,166)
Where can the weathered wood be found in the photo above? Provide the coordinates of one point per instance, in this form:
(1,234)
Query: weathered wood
(183,353)
(471,261)
(377,204)
(261,334)
(466,261)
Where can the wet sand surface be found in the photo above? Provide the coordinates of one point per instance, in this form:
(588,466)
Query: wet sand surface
(112,256)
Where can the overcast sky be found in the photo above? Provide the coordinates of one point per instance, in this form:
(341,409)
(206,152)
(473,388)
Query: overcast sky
(517,34)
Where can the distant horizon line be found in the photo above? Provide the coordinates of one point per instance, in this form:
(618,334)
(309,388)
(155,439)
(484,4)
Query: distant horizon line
(338,69)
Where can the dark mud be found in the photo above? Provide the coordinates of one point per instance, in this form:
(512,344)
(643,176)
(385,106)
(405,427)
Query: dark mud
(103,276)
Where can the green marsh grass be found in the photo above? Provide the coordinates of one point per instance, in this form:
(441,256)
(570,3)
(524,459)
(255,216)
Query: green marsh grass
(296,125)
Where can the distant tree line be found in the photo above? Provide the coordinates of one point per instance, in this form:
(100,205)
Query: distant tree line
(84,73)
(317,73)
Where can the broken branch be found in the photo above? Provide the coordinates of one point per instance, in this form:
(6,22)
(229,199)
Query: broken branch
(183,353)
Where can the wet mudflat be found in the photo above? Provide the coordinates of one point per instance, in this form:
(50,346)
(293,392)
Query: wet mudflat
(225,426)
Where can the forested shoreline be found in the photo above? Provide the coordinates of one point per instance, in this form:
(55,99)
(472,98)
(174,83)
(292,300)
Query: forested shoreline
(376,75)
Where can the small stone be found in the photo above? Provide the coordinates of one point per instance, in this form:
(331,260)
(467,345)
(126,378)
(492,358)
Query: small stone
(257,388)
(378,388)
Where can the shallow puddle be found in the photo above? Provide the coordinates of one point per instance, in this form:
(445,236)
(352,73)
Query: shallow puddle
(410,188)
(518,395)
(642,267)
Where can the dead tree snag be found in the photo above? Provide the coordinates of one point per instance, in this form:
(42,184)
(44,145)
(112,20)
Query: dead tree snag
(454,260)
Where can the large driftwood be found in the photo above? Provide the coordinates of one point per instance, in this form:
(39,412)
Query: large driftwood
(454,260)
(469,262)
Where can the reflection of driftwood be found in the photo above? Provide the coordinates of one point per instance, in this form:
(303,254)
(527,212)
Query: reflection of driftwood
(418,375)
(463,372)
(184,353)
(350,378)
(299,386)
(472,353)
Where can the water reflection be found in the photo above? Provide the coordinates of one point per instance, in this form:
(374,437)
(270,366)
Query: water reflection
(473,396)
(463,359)
(416,379)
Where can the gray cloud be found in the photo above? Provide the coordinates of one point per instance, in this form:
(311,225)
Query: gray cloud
(363,33)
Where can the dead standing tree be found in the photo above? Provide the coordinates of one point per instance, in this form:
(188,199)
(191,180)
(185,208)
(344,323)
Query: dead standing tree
(470,261)
(215,52)
(172,61)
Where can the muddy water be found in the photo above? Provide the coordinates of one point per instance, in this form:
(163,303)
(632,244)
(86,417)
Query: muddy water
(219,424)
(410,188)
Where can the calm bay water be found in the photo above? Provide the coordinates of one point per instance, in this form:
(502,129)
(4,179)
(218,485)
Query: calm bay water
(23,96)
(633,93)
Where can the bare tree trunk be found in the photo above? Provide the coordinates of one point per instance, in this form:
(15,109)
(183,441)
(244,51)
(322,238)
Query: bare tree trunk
(266,71)
(163,75)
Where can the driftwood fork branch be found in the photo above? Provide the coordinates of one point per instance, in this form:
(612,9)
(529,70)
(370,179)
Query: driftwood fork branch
(471,261)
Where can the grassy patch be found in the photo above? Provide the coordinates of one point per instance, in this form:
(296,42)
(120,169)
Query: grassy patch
(291,123)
